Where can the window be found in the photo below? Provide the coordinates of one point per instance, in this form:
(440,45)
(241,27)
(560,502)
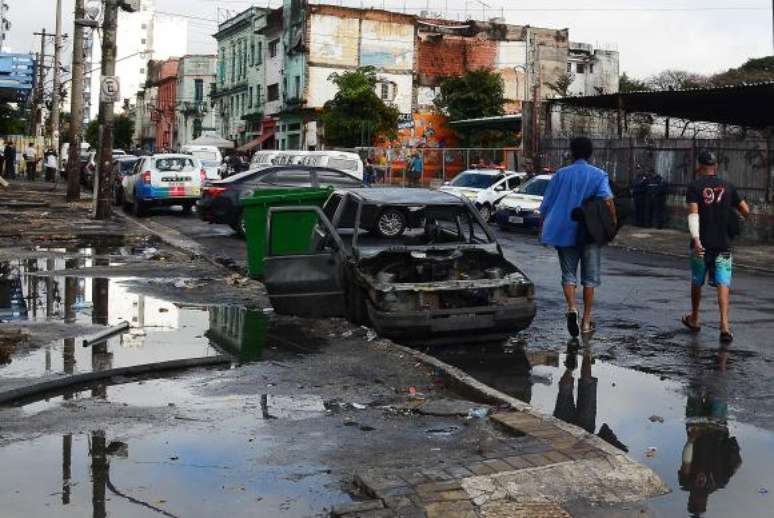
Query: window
(197,128)
(385,91)
(273,46)
(198,90)
(336,179)
(258,99)
(288,177)
(569,68)
(579,68)
(142,70)
(144,26)
(143,41)
(252,52)
(591,68)
(250,98)
(259,57)
(272,92)
(297,81)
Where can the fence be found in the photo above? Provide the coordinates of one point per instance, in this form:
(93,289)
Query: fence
(438,164)
(746,163)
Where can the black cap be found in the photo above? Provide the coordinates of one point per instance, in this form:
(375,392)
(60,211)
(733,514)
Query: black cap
(707,157)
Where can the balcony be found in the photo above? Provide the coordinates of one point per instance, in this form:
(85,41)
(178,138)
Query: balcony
(193,108)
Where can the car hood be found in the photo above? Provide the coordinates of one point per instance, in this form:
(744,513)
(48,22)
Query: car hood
(466,192)
(521,201)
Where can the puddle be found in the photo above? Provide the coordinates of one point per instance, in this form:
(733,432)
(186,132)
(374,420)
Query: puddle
(660,422)
(171,474)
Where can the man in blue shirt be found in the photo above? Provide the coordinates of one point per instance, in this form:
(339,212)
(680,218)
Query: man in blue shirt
(568,189)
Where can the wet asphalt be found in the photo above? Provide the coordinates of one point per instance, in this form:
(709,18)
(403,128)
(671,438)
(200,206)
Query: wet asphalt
(660,389)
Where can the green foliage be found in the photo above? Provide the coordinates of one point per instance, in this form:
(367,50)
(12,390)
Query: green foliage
(123,128)
(753,71)
(476,94)
(677,80)
(628,84)
(356,115)
(12,120)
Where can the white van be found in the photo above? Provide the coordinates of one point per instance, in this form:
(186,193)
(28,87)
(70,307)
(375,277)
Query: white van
(209,156)
(341,160)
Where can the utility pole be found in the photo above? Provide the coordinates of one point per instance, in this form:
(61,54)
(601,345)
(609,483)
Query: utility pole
(41,78)
(76,104)
(102,187)
(55,93)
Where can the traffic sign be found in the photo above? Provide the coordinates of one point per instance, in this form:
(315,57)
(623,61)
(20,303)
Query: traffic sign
(110,90)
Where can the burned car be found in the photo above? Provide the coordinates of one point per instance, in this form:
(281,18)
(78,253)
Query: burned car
(443,276)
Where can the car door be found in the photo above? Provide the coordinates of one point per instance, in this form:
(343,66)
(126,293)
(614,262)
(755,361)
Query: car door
(129,180)
(303,267)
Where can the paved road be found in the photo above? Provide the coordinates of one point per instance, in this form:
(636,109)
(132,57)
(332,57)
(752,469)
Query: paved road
(637,313)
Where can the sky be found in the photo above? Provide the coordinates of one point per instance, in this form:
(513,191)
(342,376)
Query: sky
(704,36)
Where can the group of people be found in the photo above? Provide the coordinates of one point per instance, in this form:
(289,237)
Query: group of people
(649,194)
(10,162)
(714,206)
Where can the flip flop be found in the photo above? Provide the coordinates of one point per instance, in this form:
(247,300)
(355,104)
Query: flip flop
(572,323)
(687,323)
(726,338)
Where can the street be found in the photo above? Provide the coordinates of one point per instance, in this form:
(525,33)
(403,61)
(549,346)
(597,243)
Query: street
(649,370)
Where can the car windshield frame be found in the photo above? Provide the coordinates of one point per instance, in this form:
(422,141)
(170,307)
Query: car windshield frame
(533,181)
(484,180)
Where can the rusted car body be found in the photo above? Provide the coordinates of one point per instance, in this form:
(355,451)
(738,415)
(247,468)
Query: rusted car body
(442,277)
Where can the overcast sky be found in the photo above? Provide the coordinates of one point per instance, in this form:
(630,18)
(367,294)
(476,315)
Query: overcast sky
(706,37)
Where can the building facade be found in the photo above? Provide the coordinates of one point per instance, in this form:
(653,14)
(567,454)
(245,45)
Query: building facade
(194,113)
(166,103)
(141,36)
(593,71)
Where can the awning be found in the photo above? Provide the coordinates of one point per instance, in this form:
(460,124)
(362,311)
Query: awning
(500,122)
(212,139)
(253,144)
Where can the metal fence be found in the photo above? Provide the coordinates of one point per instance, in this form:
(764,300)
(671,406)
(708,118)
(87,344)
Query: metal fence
(746,163)
(438,164)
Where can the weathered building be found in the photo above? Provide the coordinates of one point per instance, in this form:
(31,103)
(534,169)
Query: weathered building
(593,71)
(165,80)
(194,114)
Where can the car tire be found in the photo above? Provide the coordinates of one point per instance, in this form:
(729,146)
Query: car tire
(239,227)
(357,312)
(187,208)
(391,223)
(138,208)
(486,212)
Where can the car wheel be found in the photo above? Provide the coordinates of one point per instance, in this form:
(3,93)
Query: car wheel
(187,208)
(486,212)
(138,208)
(357,312)
(239,227)
(391,223)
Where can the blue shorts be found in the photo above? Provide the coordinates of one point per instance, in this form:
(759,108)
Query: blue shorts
(590,259)
(718,266)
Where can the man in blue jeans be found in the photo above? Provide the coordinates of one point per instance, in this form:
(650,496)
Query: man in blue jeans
(567,190)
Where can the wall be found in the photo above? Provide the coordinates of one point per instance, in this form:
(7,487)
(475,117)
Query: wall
(748,164)
(187,110)
(165,104)
(603,80)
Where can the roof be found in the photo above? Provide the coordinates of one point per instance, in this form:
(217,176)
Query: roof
(746,104)
(403,196)
(498,121)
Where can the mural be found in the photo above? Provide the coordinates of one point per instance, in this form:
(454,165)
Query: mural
(387,45)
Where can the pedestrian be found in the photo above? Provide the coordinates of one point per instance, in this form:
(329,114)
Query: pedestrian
(415,170)
(656,191)
(9,157)
(368,172)
(569,187)
(51,165)
(30,160)
(713,223)
(639,195)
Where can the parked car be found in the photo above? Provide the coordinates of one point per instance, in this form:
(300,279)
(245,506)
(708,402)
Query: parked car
(219,202)
(521,208)
(444,278)
(484,187)
(122,166)
(163,180)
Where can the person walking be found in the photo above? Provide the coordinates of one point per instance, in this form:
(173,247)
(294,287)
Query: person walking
(369,174)
(9,157)
(569,187)
(50,161)
(415,171)
(713,224)
(30,160)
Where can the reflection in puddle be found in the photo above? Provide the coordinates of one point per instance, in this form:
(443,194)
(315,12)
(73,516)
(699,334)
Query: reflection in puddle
(178,473)
(717,466)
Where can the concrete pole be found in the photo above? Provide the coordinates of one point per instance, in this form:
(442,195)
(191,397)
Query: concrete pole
(41,79)
(55,94)
(102,187)
(76,108)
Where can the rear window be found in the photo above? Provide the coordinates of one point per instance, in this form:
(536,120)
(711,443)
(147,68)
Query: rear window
(337,179)
(180,164)
(344,164)
(205,155)
(127,165)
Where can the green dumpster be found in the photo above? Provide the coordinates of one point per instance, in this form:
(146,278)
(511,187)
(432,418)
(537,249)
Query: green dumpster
(296,227)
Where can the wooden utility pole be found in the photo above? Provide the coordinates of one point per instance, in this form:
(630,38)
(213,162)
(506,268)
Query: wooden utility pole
(102,187)
(76,106)
(55,93)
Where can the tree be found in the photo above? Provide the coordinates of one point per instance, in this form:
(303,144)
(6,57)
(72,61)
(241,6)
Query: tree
(479,93)
(12,120)
(356,115)
(752,71)
(677,80)
(123,129)
(628,84)
(562,84)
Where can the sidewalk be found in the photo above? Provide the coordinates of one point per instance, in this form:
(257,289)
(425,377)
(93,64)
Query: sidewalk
(751,256)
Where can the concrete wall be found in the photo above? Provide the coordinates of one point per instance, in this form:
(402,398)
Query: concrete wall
(187,109)
(600,70)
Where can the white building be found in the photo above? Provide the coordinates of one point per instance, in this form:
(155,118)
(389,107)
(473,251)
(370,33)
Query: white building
(193,111)
(141,36)
(594,71)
